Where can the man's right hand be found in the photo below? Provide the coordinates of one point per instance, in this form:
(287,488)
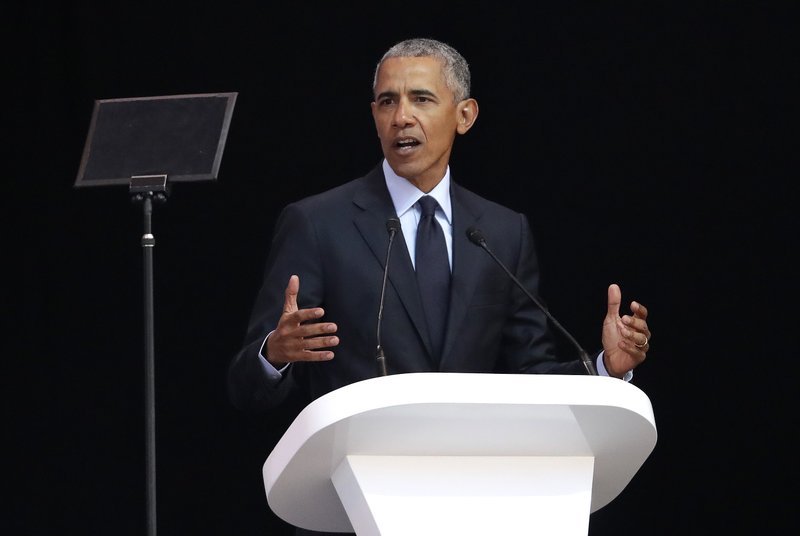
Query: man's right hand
(293,340)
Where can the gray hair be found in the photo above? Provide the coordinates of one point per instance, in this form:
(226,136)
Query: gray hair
(455,67)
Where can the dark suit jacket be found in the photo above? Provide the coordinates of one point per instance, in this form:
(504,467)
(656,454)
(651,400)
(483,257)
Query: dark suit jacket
(336,242)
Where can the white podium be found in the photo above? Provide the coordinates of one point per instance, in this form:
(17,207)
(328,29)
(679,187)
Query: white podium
(460,454)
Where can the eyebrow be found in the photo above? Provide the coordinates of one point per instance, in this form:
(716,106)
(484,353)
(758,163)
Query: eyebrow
(415,92)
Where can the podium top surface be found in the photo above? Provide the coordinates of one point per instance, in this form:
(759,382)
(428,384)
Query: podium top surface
(459,414)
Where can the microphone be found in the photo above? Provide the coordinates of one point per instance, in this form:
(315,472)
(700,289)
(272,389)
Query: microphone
(476,237)
(392,226)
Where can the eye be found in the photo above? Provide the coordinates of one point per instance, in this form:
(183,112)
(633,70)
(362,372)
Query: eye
(386,101)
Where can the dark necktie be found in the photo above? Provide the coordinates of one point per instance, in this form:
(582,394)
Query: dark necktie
(433,272)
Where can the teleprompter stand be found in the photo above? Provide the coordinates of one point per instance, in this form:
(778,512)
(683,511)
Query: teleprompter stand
(147,143)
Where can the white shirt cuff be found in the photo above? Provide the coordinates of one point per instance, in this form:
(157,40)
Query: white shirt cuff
(271,372)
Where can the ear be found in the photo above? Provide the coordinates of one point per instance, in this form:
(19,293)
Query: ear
(374,107)
(467,114)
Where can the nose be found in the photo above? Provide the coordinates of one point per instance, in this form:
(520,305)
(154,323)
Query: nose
(402,117)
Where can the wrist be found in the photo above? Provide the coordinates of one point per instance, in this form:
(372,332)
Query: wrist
(264,352)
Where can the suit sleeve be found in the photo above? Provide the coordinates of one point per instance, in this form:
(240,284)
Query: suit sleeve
(293,250)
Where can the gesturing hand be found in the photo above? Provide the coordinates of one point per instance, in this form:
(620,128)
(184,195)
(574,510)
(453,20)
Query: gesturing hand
(626,339)
(293,340)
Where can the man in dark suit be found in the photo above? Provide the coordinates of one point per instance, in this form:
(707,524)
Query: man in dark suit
(318,332)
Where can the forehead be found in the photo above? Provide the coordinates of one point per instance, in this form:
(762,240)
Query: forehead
(399,75)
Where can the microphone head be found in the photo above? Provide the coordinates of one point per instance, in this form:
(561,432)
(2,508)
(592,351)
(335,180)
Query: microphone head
(475,236)
(392,225)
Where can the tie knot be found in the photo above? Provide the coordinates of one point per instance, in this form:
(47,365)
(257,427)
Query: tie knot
(428,205)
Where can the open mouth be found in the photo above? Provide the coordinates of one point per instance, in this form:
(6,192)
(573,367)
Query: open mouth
(406,143)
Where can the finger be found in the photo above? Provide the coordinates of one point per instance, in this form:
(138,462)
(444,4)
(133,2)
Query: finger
(614,299)
(634,322)
(639,310)
(316,343)
(630,326)
(630,333)
(290,295)
(314,349)
(303,315)
(631,349)
(315,330)
(325,355)
(641,341)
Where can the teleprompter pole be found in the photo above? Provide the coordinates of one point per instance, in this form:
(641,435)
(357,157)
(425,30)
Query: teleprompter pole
(145,189)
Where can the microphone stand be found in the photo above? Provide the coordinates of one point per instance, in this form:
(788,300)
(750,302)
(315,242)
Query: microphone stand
(392,226)
(146,189)
(476,237)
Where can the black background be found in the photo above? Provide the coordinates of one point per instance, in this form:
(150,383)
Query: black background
(650,144)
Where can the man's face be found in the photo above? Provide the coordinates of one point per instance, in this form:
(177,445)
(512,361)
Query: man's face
(416,119)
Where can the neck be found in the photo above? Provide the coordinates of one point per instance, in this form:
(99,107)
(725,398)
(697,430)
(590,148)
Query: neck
(424,185)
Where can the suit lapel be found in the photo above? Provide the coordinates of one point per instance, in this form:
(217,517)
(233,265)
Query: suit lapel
(376,207)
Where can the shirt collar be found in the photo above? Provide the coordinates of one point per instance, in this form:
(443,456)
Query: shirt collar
(404,194)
